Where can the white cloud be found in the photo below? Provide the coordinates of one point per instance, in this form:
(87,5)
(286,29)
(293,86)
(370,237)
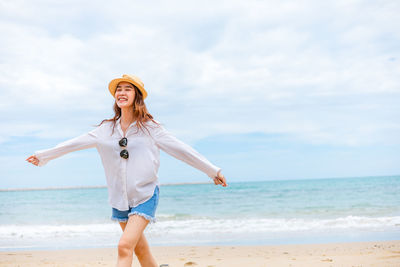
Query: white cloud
(269,66)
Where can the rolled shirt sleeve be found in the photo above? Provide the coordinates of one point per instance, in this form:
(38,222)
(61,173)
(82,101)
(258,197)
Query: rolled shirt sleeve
(178,149)
(84,141)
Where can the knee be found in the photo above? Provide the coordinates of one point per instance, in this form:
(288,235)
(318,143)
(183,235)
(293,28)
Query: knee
(125,248)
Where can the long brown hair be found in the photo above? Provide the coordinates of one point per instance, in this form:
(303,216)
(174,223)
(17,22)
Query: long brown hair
(140,112)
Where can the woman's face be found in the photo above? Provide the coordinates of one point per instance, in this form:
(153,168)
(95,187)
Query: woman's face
(124,94)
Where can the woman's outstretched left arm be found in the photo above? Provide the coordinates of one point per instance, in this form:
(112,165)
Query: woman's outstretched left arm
(178,149)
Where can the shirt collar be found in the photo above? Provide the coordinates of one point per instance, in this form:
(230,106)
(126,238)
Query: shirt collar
(118,124)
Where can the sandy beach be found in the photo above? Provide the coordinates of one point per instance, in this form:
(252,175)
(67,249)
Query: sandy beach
(380,254)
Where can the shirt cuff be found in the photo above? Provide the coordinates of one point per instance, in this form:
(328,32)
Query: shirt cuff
(214,173)
(42,161)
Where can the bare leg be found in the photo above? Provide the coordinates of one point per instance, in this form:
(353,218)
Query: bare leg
(133,239)
(142,250)
(143,253)
(122,224)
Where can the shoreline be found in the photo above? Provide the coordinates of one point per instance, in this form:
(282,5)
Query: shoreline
(379,253)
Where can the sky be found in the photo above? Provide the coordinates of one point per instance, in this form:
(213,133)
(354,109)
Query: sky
(266,90)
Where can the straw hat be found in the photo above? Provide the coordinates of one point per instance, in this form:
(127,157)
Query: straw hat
(112,86)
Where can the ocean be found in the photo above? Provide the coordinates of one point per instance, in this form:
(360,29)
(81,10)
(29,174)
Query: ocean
(244,213)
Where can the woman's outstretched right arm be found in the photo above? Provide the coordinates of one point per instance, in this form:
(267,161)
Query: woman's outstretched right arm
(84,141)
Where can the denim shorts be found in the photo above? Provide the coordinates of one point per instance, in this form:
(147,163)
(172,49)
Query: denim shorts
(146,210)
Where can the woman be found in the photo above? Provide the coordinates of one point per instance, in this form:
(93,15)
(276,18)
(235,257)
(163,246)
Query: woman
(129,146)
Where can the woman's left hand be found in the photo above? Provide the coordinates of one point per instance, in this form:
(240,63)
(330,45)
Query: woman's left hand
(220,179)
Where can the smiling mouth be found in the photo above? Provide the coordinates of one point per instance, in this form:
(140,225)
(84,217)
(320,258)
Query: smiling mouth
(122,99)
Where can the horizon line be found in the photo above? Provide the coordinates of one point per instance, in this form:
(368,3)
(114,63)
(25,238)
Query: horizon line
(83,187)
(181,183)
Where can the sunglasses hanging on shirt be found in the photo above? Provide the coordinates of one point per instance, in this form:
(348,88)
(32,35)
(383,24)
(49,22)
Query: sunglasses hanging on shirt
(123,143)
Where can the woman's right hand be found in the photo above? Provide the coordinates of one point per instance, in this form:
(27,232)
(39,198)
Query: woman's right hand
(33,159)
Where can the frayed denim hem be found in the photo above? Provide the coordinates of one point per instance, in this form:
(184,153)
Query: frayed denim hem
(119,220)
(147,217)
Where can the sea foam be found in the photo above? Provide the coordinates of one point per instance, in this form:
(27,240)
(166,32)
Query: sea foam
(202,230)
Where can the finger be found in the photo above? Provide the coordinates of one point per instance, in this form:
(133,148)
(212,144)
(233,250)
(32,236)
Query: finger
(223,180)
(34,161)
(31,158)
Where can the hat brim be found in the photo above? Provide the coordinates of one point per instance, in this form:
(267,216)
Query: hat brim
(112,86)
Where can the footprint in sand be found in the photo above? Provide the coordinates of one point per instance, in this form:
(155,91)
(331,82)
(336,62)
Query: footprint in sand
(190,263)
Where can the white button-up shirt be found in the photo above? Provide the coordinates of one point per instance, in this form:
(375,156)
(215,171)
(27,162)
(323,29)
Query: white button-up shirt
(130,181)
